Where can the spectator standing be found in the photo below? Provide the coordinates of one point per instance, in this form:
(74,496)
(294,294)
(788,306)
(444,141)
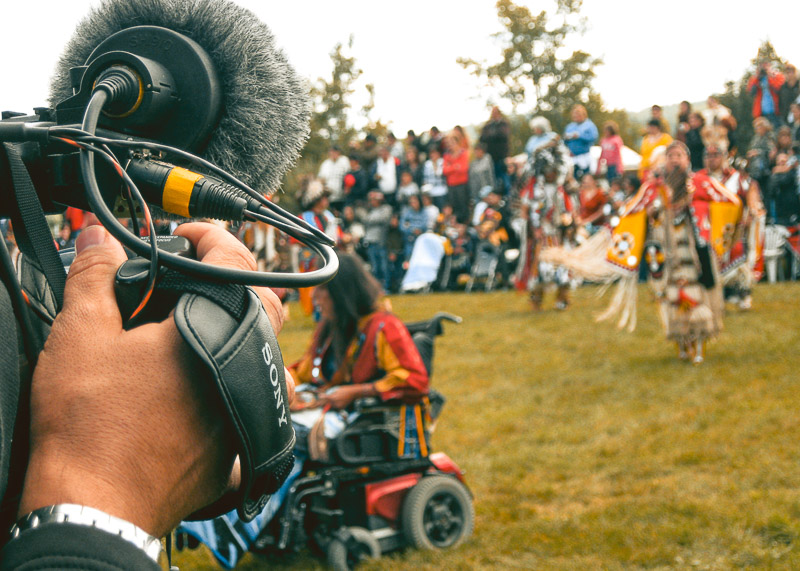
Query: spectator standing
(794,108)
(314,201)
(765,87)
(376,229)
(654,138)
(694,140)
(684,110)
(368,155)
(545,148)
(396,148)
(413,222)
(64,239)
(352,232)
(495,135)
(783,141)
(543,136)
(412,163)
(435,141)
(415,142)
(332,172)
(761,151)
(385,175)
(720,125)
(481,172)
(433,175)
(394,253)
(356,184)
(783,203)
(462,138)
(788,93)
(76,220)
(611,145)
(657,113)
(430,209)
(407,188)
(456,172)
(579,136)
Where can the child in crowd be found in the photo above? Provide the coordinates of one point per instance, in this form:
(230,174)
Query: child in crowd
(430,209)
(609,165)
(407,188)
(413,222)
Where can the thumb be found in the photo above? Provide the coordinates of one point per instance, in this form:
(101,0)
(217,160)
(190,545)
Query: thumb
(90,284)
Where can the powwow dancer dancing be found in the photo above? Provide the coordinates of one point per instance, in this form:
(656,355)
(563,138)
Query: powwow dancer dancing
(669,222)
(741,241)
(547,215)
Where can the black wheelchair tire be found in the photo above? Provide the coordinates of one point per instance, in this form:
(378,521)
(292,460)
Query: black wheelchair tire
(340,558)
(437,513)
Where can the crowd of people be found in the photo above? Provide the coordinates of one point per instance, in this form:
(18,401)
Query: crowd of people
(378,197)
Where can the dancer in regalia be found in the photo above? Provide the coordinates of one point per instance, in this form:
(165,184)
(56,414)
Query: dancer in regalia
(546,216)
(742,239)
(669,223)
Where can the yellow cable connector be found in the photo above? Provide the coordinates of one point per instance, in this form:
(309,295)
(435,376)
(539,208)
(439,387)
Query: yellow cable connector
(178,191)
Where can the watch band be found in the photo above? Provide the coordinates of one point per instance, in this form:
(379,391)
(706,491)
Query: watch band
(91,517)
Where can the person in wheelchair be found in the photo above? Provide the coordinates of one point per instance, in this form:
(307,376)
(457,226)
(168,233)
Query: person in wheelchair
(359,350)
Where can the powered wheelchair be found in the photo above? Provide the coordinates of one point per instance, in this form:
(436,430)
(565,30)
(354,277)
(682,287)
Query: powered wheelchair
(365,495)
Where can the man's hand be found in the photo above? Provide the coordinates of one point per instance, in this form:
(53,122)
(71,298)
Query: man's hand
(123,421)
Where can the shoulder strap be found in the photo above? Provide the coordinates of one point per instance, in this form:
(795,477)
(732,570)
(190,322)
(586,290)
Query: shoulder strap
(30,227)
(9,383)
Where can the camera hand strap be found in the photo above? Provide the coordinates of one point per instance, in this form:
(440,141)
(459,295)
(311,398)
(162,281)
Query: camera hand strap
(242,355)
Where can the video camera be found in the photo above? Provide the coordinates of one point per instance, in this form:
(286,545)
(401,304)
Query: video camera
(145,101)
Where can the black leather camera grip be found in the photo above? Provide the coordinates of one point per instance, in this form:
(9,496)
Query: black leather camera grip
(246,366)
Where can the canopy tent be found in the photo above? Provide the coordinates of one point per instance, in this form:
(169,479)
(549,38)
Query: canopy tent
(630,158)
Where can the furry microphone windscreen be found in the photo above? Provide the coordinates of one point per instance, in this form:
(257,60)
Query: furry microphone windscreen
(266,104)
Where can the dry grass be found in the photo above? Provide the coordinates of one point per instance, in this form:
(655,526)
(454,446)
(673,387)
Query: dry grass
(588,448)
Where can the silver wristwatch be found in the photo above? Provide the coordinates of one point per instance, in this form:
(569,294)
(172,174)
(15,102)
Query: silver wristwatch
(91,517)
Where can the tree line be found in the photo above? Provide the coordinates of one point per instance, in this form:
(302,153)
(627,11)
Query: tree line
(532,74)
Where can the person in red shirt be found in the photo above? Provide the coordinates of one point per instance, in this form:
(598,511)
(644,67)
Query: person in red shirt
(765,87)
(456,173)
(610,152)
(75,220)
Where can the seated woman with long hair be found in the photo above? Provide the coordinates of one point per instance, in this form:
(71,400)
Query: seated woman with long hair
(358,349)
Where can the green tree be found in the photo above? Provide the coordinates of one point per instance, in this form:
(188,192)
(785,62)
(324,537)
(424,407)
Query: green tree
(535,70)
(330,120)
(330,117)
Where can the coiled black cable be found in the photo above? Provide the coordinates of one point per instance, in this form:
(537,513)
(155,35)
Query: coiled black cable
(305,233)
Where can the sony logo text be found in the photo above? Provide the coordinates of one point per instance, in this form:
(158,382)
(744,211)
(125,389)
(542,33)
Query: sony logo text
(274,379)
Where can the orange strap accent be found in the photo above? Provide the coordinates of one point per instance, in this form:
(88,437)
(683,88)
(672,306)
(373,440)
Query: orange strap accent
(423,446)
(401,438)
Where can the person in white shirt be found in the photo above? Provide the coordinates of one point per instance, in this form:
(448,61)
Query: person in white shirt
(331,173)
(433,177)
(430,209)
(386,174)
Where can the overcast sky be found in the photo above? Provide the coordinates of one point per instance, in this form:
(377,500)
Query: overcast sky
(654,52)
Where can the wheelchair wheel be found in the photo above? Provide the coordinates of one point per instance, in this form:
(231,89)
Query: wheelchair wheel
(346,556)
(437,513)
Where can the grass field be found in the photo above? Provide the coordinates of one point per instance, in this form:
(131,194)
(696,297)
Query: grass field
(590,448)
